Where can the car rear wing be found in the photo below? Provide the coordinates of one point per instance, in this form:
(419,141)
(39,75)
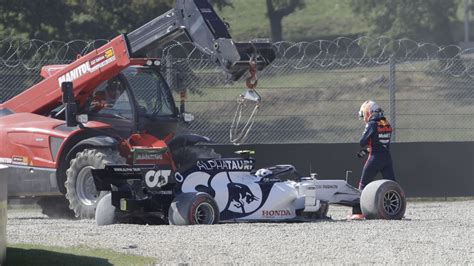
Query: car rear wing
(150,176)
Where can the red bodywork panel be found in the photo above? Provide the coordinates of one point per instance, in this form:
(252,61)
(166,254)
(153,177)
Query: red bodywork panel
(143,141)
(25,139)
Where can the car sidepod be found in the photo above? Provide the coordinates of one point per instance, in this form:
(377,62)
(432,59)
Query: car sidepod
(239,194)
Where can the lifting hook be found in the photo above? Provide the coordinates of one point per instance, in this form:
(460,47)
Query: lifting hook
(252,81)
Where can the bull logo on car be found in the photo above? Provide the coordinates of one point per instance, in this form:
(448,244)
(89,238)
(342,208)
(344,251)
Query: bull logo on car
(234,196)
(240,195)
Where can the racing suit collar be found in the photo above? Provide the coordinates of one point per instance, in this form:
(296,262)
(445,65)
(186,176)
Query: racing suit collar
(375,116)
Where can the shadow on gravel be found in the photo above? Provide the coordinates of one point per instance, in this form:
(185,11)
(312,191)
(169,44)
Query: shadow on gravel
(31,218)
(360,220)
(42,218)
(19,256)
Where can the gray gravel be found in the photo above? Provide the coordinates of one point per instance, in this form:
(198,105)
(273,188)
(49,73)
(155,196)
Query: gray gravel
(433,233)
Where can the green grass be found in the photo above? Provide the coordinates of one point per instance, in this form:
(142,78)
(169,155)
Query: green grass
(319,19)
(26,254)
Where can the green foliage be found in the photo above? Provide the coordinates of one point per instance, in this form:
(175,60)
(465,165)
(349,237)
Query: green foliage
(421,20)
(96,19)
(323,19)
(319,19)
(276,11)
(76,19)
(79,19)
(42,19)
(221,3)
(287,4)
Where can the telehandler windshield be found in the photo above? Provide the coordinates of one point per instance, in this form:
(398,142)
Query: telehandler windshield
(113,98)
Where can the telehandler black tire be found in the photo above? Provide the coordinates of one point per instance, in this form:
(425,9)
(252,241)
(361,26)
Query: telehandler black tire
(80,188)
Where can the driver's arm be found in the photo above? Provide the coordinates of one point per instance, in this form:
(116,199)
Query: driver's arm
(98,101)
(369,130)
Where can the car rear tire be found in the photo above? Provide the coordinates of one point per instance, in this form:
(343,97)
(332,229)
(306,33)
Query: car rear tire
(80,188)
(106,213)
(193,208)
(383,199)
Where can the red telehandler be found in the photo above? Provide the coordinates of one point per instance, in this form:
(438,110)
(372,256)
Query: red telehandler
(110,106)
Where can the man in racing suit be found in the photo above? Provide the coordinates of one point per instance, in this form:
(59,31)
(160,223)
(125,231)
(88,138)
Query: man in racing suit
(376,138)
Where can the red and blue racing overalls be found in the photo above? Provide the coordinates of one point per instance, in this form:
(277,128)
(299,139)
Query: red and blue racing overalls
(377,136)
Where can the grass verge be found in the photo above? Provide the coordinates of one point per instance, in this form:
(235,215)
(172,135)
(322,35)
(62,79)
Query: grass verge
(27,254)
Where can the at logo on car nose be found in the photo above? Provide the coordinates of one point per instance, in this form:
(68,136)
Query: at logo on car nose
(157,178)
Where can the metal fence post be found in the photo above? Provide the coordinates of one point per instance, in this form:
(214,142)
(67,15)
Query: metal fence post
(392,90)
(3,214)
(170,72)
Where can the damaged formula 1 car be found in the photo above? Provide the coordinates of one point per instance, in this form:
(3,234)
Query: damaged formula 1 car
(217,190)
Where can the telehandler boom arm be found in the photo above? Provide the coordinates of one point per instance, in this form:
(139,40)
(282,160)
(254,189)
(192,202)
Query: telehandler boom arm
(194,18)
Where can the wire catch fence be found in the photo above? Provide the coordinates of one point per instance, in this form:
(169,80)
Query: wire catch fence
(311,92)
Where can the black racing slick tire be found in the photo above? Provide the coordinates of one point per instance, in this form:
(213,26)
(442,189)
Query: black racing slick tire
(106,213)
(80,188)
(383,199)
(193,208)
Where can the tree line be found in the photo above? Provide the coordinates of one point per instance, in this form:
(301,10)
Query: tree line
(103,19)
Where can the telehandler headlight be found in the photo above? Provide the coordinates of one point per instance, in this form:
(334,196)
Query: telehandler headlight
(82,118)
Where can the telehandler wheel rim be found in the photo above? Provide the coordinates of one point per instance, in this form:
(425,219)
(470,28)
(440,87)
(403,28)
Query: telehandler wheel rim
(204,213)
(392,202)
(85,188)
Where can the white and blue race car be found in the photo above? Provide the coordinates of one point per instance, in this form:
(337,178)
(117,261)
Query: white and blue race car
(217,190)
